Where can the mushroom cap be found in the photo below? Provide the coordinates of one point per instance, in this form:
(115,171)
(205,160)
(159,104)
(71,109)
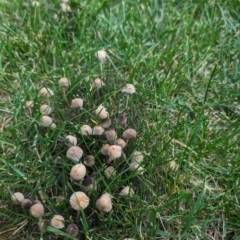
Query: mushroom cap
(37,210)
(104,203)
(129,133)
(74,153)
(101,112)
(114,152)
(129,89)
(121,120)
(72,229)
(17,198)
(101,55)
(104,150)
(46,121)
(77,103)
(137,157)
(57,221)
(86,130)
(111,135)
(29,104)
(98,130)
(46,92)
(120,142)
(79,200)
(109,172)
(106,123)
(78,172)
(26,203)
(46,109)
(126,191)
(136,167)
(72,140)
(97,83)
(88,182)
(89,161)
(64,82)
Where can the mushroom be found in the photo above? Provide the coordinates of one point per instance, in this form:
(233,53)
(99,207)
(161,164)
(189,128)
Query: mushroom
(64,82)
(136,167)
(101,112)
(46,121)
(137,157)
(109,172)
(46,92)
(97,83)
(88,183)
(120,142)
(106,123)
(72,140)
(104,203)
(46,109)
(101,55)
(104,150)
(86,130)
(98,130)
(126,191)
(129,89)
(26,203)
(72,229)
(114,152)
(78,172)
(57,221)
(74,153)
(79,200)
(129,134)
(17,198)
(111,136)
(37,210)
(122,120)
(77,103)
(89,161)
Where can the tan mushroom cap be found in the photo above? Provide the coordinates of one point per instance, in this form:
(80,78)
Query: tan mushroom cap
(57,221)
(111,135)
(109,172)
(86,130)
(104,203)
(129,89)
(74,153)
(97,83)
(79,200)
(104,150)
(101,55)
(89,161)
(64,82)
(129,133)
(46,92)
(114,152)
(101,112)
(72,140)
(126,191)
(46,121)
(26,203)
(17,198)
(46,109)
(120,142)
(137,157)
(98,130)
(37,210)
(78,172)
(72,229)
(77,103)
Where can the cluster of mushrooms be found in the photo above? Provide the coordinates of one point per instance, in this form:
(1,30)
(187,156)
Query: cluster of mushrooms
(111,151)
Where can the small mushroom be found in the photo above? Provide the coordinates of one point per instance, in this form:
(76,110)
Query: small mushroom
(46,121)
(46,109)
(122,120)
(74,153)
(79,200)
(89,161)
(137,157)
(72,140)
(126,191)
(129,89)
(57,221)
(104,203)
(129,133)
(46,92)
(101,112)
(111,136)
(72,229)
(37,210)
(77,103)
(17,198)
(101,55)
(26,203)
(114,152)
(98,130)
(97,83)
(64,82)
(86,130)
(120,142)
(109,172)
(106,123)
(78,172)
(88,183)
(104,150)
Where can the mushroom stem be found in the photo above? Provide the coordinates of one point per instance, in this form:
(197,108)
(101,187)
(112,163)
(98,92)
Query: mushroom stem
(64,94)
(127,102)
(78,217)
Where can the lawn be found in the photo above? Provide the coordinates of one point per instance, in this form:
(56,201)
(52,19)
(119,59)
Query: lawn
(181,164)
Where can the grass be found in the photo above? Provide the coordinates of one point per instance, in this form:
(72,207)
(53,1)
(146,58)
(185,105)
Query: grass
(183,59)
